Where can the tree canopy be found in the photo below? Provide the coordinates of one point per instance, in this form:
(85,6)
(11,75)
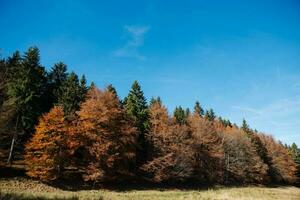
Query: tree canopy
(64,128)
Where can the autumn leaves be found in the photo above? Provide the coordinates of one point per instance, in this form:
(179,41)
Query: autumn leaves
(96,136)
(99,141)
(103,140)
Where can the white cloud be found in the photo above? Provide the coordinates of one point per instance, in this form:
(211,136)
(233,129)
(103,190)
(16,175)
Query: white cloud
(134,42)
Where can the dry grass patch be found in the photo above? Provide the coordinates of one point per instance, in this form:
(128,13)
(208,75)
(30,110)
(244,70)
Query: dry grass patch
(12,189)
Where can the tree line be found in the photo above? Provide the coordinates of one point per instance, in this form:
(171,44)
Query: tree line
(64,128)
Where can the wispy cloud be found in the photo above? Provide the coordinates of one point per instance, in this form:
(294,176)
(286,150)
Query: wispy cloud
(248,110)
(134,42)
(279,117)
(282,108)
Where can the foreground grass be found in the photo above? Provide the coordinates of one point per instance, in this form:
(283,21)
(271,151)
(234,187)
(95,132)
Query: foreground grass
(12,189)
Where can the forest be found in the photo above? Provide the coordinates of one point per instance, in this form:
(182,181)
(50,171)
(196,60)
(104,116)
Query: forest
(61,128)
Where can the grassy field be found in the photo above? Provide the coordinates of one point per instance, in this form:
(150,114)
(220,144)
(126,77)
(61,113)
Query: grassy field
(11,189)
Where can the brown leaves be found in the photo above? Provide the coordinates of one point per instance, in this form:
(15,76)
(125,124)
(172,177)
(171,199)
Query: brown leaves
(44,153)
(282,166)
(242,163)
(109,136)
(101,142)
(170,157)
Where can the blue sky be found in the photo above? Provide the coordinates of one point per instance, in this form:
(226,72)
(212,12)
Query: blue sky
(241,58)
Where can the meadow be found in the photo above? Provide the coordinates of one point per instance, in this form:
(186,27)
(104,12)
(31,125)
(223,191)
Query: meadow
(22,188)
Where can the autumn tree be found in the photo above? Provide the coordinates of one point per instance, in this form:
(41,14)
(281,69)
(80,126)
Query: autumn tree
(241,161)
(109,137)
(260,148)
(282,167)
(207,145)
(46,153)
(171,156)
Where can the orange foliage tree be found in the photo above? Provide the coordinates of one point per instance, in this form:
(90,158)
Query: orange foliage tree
(46,153)
(100,143)
(242,163)
(108,137)
(171,153)
(282,166)
(208,152)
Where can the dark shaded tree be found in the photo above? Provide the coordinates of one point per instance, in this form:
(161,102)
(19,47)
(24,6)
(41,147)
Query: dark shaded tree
(26,89)
(2,81)
(56,77)
(73,93)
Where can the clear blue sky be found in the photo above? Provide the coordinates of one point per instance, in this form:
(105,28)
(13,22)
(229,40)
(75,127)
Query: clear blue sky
(241,58)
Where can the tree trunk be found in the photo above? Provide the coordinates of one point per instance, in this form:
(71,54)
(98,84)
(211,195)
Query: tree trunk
(13,143)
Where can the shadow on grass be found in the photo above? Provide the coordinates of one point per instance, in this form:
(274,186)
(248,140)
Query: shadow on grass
(76,184)
(11,172)
(144,185)
(12,196)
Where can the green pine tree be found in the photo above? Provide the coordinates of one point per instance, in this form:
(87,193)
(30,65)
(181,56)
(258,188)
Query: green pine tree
(155,100)
(260,148)
(26,89)
(92,85)
(245,127)
(2,81)
(210,115)
(72,95)
(294,150)
(295,153)
(187,112)
(112,89)
(136,107)
(180,115)
(83,87)
(198,109)
(56,77)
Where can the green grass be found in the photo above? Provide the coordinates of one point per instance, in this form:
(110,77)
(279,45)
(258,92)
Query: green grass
(13,189)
